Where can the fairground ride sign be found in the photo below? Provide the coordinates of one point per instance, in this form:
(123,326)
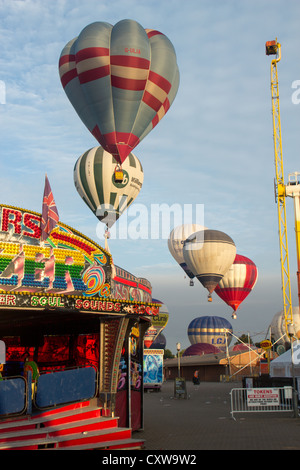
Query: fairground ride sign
(67,271)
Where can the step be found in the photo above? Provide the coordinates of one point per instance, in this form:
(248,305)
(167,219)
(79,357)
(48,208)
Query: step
(17,424)
(122,444)
(58,418)
(92,439)
(42,413)
(78,426)
(77,406)
(48,419)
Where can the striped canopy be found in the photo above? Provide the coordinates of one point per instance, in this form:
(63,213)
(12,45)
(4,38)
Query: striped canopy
(95,182)
(121,81)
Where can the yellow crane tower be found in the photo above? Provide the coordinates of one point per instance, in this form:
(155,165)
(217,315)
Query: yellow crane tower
(274,48)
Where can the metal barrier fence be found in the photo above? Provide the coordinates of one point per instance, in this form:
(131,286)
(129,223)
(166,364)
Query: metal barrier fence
(249,400)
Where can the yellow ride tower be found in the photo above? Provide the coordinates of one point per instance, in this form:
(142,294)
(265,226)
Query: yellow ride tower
(274,48)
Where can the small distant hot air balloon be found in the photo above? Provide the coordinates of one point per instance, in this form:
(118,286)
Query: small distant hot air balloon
(160,342)
(158,323)
(212,330)
(199,349)
(95,182)
(121,80)
(242,347)
(238,282)
(176,241)
(150,336)
(278,328)
(209,254)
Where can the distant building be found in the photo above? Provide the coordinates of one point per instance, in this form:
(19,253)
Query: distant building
(214,367)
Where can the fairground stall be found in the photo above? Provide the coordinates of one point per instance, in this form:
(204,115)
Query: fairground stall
(71,330)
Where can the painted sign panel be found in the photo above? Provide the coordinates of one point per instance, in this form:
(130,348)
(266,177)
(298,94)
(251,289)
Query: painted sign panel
(67,263)
(68,270)
(92,304)
(153,366)
(263,397)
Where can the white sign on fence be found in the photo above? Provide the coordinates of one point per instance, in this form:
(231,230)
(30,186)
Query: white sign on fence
(263,397)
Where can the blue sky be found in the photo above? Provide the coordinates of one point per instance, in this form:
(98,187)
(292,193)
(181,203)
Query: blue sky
(213,148)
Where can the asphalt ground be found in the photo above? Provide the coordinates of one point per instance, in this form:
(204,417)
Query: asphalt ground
(203,421)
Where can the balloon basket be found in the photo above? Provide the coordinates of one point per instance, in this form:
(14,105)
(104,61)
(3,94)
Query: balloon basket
(118,175)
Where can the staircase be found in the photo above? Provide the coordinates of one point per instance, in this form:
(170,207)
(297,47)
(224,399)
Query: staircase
(80,426)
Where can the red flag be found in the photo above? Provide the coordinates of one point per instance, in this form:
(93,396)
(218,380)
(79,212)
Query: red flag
(50,215)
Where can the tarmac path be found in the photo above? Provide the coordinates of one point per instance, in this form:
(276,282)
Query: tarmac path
(203,422)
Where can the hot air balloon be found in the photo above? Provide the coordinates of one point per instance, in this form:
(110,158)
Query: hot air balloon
(121,80)
(237,283)
(212,330)
(175,244)
(95,182)
(199,349)
(209,254)
(160,342)
(150,336)
(242,347)
(278,329)
(158,323)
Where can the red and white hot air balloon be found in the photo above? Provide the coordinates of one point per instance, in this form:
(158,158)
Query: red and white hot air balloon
(121,81)
(238,282)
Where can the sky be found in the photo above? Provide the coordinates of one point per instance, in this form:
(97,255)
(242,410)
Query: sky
(213,149)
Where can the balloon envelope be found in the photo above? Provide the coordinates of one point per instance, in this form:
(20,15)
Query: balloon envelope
(242,347)
(158,323)
(211,330)
(176,241)
(160,342)
(278,329)
(199,349)
(121,80)
(150,336)
(238,282)
(209,254)
(95,182)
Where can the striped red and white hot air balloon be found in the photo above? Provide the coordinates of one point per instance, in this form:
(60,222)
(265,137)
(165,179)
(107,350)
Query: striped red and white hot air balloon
(238,282)
(121,80)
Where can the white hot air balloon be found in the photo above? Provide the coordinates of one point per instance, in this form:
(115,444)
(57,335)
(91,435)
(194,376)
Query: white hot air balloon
(278,329)
(175,244)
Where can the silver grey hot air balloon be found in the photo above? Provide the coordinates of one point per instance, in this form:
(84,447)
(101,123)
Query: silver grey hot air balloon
(209,254)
